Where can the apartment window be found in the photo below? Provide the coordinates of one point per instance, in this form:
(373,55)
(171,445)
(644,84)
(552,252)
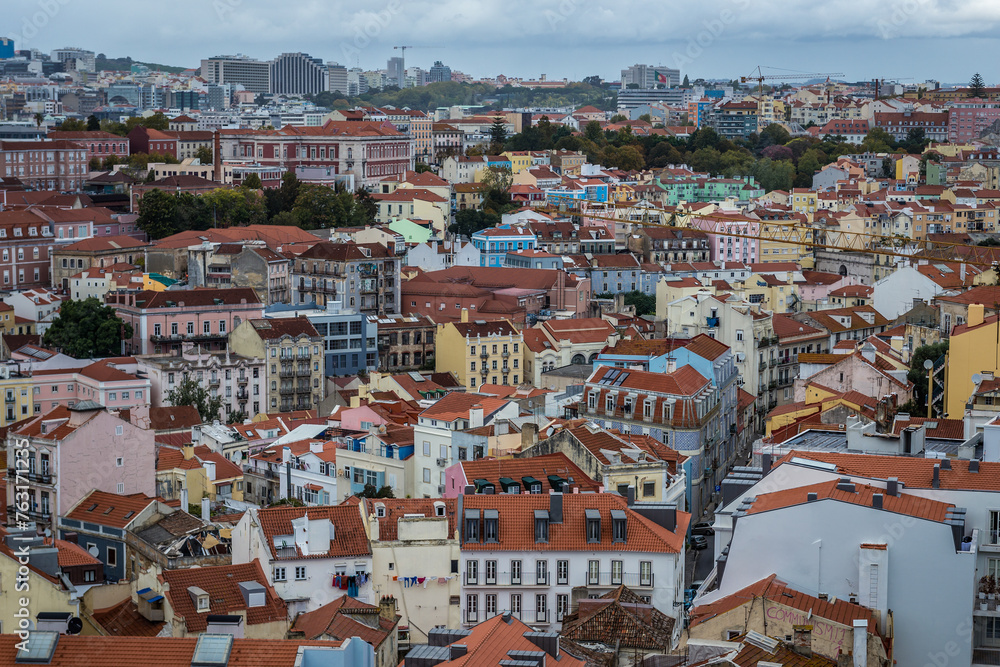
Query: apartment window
(646,573)
(112,556)
(491,525)
(593,526)
(541,608)
(593,572)
(562,606)
(515,573)
(541,526)
(190,327)
(279,574)
(472,572)
(648,489)
(119,429)
(491,572)
(472,608)
(616,572)
(562,571)
(300,573)
(119,461)
(515,605)
(120,488)
(994,536)
(541,572)
(491,605)
(427,475)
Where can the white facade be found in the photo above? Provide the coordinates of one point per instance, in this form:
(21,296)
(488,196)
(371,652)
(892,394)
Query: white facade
(305,583)
(894,295)
(313,478)
(427,256)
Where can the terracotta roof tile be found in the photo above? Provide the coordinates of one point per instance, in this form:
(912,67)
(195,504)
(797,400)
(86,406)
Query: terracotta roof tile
(109,509)
(124,620)
(396,508)
(539,467)
(350,538)
(456,405)
(921,508)
(344,618)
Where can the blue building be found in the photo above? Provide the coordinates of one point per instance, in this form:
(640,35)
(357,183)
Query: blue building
(350,338)
(6,47)
(494,243)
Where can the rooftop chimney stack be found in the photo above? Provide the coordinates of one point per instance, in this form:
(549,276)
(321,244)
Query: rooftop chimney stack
(936,482)
(802,640)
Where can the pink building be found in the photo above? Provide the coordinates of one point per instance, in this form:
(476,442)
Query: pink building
(99,144)
(361,418)
(104,382)
(968,118)
(96,449)
(163,321)
(817,286)
(738,248)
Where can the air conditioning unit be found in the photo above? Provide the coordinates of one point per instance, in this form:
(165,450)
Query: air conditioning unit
(441,488)
(442,462)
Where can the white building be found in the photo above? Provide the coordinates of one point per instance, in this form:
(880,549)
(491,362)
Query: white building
(525,554)
(440,255)
(311,556)
(433,450)
(859,533)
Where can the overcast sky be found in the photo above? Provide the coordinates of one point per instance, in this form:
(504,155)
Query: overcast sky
(945,40)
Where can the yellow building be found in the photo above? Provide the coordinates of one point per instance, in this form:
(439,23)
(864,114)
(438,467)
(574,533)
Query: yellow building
(201,471)
(519,160)
(17,390)
(770,292)
(780,239)
(480,352)
(973,349)
(803,200)
(43,588)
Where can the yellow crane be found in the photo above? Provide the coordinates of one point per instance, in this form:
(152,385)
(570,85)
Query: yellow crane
(760,78)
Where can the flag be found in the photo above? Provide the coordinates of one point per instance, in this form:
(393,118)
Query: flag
(660,77)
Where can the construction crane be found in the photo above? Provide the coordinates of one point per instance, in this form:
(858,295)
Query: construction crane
(402,66)
(774,232)
(760,78)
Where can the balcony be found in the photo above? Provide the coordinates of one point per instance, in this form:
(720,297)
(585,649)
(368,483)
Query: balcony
(39,478)
(286,372)
(303,372)
(505,369)
(242,380)
(505,354)
(284,391)
(522,579)
(484,355)
(242,395)
(260,472)
(42,515)
(184,337)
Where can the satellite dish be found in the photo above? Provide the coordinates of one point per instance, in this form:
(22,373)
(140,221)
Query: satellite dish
(93,551)
(976,378)
(74,626)
(928,364)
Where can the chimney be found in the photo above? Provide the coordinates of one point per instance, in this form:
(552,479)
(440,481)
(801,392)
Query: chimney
(286,454)
(765,462)
(877,501)
(73,537)
(387,608)
(892,486)
(456,651)
(811,496)
(217,157)
(975,314)
(319,533)
(630,495)
(209,467)
(476,416)
(188,450)
(529,435)
(184,499)
(206,509)
(936,482)
(974,465)
(860,642)
(802,640)
(465,315)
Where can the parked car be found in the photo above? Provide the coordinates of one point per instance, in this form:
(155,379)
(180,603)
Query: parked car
(702,528)
(699,542)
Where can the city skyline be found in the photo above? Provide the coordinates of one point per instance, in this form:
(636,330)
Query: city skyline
(567,39)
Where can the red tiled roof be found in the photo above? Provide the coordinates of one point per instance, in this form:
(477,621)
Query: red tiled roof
(776,591)
(71,555)
(921,508)
(396,508)
(456,405)
(124,620)
(109,509)
(517,524)
(340,619)
(221,582)
(349,534)
(539,467)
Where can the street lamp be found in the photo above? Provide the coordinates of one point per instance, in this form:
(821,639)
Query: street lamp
(929,366)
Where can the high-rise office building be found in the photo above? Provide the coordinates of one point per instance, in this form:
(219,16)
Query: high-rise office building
(254,75)
(650,76)
(395,76)
(74,59)
(337,79)
(439,72)
(298,74)
(220,96)
(6,48)
(357,83)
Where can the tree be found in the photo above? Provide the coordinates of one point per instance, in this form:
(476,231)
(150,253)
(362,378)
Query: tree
(371,491)
(205,155)
(93,124)
(420,167)
(977,86)
(237,417)
(252,182)
(191,392)
(87,329)
(498,135)
(686,83)
(157,214)
(593,132)
(39,119)
(72,125)
(877,141)
(496,190)
(592,80)
(619,118)
(888,165)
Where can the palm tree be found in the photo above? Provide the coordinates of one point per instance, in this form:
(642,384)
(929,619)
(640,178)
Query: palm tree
(39,119)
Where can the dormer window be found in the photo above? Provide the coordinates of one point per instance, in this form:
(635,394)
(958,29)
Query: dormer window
(471,525)
(438,509)
(593,526)
(491,525)
(380,510)
(618,526)
(541,526)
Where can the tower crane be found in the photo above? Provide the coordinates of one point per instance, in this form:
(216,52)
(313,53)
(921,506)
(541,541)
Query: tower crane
(760,78)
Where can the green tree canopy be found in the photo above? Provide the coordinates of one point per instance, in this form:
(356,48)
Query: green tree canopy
(204,155)
(93,124)
(371,491)
(72,125)
(86,329)
(977,86)
(191,392)
(252,182)
(918,375)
